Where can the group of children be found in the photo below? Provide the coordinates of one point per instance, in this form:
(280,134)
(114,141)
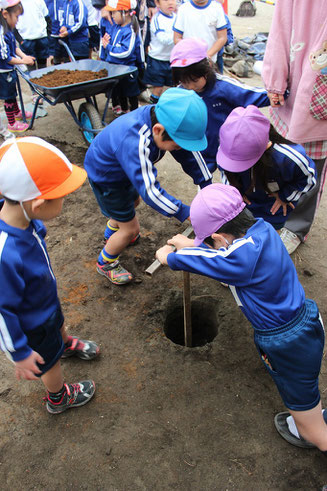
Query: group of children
(209,122)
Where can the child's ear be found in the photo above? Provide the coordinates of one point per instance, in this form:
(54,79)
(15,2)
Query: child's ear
(158,129)
(36,204)
(219,240)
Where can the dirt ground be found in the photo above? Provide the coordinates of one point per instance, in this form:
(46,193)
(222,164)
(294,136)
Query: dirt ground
(164,417)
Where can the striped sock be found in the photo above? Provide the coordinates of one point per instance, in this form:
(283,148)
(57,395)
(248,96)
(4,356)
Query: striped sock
(10,112)
(104,257)
(110,230)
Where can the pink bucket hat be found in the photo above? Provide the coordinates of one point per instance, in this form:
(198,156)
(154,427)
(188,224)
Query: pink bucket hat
(187,52)
(4,4)
(212,207)
(243,139)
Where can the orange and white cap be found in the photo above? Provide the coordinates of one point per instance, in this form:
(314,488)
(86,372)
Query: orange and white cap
(32,168)
(114,5)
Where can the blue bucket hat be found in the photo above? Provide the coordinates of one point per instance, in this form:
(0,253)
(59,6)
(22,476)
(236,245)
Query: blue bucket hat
(184,116)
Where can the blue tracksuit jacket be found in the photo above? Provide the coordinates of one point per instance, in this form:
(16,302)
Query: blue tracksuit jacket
(73,15)
(7,49)
(125,47)
(28,286)
(125,152)
(259,271)
(292,174)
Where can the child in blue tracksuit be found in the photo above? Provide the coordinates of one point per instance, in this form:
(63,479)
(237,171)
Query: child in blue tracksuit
(120,166)
(191,68)
(247,253)
(270,172)
(72,28)
(11,55)
(125,48)
(34,178)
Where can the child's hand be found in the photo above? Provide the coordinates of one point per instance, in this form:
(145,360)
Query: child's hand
(180,241)
(276,99)
(162,254)
(28,60)
(105,40)
(246,200)
(278,203)
(28,368)
(63,32)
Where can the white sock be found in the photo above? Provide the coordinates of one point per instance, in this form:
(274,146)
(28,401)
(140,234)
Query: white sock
(292,426)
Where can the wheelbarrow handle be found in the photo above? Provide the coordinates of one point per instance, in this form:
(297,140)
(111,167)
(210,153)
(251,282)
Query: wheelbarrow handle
(65,45)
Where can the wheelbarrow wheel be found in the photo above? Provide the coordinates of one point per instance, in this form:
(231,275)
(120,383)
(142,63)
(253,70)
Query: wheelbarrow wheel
(89,118)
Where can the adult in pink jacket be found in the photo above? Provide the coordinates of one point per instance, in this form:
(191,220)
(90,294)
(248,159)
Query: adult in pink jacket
(296,59)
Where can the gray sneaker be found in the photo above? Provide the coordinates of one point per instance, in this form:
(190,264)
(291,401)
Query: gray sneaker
(75,395)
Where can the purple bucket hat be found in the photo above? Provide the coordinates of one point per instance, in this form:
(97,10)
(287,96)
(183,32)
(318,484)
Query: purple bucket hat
(212,207)
(244,137)
(188,51)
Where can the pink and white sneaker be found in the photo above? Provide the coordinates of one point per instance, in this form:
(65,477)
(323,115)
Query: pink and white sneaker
(19,115)
(18,127)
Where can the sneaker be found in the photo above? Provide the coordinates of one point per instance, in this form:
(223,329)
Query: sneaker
(75,395)
(290,240)
(86,350)
(115,273)
(117,110)
(145,96)
(153,99)
(6,134)
(284,431)
(18,127)
(19,116)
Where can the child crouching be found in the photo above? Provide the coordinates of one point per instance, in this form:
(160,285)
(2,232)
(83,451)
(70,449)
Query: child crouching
(34,178)
(249,255)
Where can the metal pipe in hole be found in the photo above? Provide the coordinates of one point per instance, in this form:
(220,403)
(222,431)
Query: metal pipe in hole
(187,309)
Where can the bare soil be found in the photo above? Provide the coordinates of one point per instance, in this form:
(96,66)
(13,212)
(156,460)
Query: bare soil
(164,417)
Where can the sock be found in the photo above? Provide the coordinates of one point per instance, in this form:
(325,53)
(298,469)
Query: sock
(110,230)
(69,342)
(105,258)
(292,426)
(10,112)
(57,396)
(16,108)
(154,98)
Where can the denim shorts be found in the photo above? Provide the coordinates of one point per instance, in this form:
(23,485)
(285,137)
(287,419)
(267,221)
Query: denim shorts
(8,85)
(46,340)
(116,203)
(158,73)
(292,355)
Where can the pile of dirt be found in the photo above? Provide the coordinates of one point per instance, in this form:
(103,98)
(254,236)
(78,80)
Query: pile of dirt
(59,78)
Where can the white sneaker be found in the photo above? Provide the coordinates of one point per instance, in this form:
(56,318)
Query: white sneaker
(290,240)
(6,134)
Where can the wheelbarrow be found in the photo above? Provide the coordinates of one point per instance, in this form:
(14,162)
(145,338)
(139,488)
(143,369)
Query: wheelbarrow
(88,118)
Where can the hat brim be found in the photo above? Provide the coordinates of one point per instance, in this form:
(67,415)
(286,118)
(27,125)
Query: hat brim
(191,145)
(111,9)
(231,165)
(73,182)
(197,241)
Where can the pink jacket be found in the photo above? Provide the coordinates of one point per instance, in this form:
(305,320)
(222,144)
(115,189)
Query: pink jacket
(296,58)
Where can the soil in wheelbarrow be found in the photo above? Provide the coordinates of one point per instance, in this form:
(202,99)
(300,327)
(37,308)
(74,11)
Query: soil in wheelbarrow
(59,78)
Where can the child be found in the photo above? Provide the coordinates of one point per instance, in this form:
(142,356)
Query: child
(248,254)
(120,166)
(32,27)
(158,71)
(34,178)
(270,172)
(72,17)
(10,56)
(125,48)
(191,68)
(205,20)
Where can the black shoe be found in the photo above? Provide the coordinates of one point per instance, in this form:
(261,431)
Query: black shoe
(75,395)
(282,428)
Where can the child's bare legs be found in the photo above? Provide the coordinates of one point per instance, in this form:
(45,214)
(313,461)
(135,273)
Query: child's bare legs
(53,378)
(120,239)
(311,426)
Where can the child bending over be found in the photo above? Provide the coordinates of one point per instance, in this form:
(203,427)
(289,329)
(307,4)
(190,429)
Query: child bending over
(270,172)
(120,164)
(34,178)
(247,253)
